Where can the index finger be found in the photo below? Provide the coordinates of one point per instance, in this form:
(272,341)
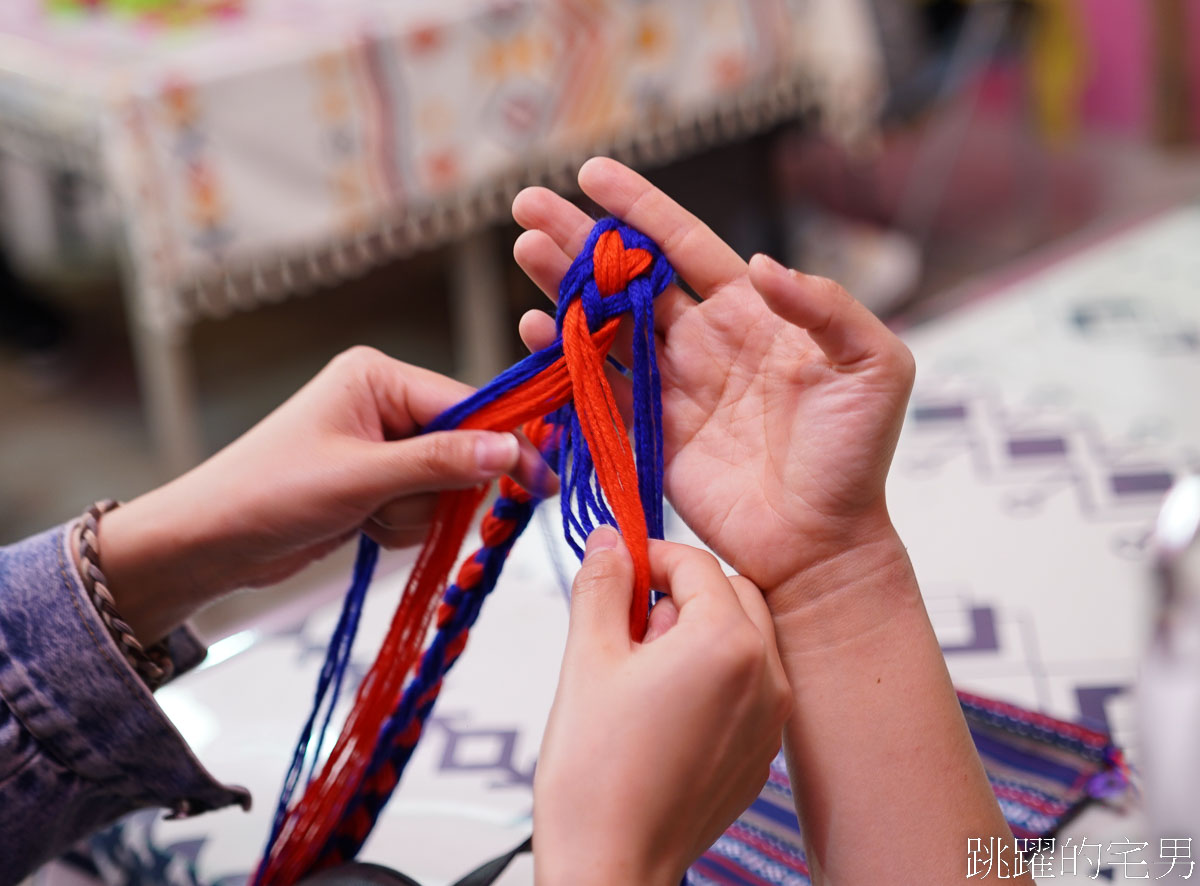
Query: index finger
(409,397)
(556,231)
(701,257)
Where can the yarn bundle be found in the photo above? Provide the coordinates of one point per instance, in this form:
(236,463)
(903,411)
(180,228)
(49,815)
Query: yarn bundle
(560,398)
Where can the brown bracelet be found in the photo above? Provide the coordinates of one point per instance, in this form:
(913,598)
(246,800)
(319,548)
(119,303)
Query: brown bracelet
(153,665)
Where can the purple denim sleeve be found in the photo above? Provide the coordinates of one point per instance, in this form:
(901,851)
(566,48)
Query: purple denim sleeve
(82,740)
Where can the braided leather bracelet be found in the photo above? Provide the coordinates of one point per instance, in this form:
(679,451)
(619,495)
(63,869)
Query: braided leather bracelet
(153,665)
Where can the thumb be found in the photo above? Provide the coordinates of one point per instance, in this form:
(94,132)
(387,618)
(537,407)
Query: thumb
(446,460)
(663,616)
(845,330)
(601,595)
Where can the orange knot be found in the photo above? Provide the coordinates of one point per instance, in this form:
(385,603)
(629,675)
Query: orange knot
(614,265)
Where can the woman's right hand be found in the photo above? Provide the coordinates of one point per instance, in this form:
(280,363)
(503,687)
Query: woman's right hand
(654,748)
(341,456)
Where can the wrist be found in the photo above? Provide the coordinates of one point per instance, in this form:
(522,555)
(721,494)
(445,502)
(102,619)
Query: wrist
(859,587)
(155,564)
(573,848)
(587,870)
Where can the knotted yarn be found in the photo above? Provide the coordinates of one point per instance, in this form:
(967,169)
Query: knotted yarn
(561,398)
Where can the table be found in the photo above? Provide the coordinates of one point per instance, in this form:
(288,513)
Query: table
(1048,420)
(304,141)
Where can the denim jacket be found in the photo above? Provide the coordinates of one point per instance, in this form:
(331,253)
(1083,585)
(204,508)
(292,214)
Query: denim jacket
(82,740)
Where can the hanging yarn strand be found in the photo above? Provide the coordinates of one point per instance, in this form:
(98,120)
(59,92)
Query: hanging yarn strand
(307,824)
(561,398)
(331,678)
(501,527)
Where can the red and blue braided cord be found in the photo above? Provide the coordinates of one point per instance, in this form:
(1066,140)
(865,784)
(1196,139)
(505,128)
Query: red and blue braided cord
(509,516)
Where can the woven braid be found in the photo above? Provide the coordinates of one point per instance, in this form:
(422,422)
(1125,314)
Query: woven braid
(153,665)
(460,607)
(398,737)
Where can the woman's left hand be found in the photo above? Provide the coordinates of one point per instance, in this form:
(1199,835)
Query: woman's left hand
(782,396)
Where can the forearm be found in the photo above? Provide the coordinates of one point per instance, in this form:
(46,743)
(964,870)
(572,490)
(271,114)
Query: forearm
(885,774)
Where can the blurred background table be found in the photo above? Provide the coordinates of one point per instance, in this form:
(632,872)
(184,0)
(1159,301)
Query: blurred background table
(284,145)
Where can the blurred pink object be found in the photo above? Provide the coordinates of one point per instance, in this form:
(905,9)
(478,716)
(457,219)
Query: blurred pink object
(1119,94)
(1193,44)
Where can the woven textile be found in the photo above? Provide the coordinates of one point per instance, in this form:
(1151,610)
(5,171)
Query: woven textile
(1043,770)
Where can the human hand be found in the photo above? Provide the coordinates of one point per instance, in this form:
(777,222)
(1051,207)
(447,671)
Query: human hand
(653,748)
(337,458)
(782,396)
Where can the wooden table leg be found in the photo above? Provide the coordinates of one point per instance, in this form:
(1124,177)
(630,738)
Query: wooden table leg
(164,369)
(479,303)
(168,394)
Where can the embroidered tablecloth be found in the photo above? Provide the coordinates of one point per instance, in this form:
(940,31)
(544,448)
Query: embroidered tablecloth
(298,123)
(292,144)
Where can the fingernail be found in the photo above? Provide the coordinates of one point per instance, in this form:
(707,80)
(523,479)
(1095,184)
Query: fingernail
(769,264)
(603,538)
(495,452)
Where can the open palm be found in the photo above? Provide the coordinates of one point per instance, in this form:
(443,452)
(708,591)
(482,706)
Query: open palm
(782,396)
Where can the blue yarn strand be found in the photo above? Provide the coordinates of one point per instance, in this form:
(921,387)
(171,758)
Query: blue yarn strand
(647,406)
(364,570)
(329,681)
